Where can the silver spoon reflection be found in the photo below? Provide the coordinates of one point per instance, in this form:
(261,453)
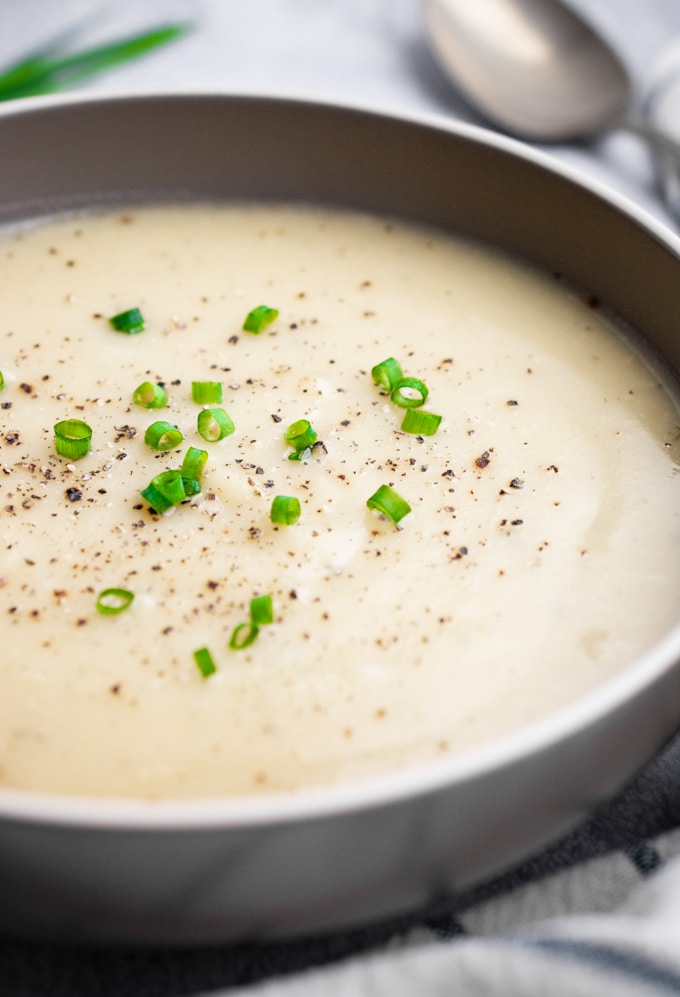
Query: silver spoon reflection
(534,68)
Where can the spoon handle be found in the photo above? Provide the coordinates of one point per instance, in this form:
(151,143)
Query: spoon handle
(666,151)
(659,140)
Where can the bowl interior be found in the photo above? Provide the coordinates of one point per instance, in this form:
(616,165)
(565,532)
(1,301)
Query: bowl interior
(74,154)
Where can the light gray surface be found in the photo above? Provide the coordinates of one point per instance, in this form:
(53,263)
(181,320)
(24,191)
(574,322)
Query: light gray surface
(372,51)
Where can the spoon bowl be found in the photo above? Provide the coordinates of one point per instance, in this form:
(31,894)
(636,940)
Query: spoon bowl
(532,67)
(536,69)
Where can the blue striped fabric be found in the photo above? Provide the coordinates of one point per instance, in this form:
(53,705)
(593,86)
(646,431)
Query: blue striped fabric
(560,938)
(609,962)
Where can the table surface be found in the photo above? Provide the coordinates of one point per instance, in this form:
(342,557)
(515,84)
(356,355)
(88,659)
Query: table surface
(371,52)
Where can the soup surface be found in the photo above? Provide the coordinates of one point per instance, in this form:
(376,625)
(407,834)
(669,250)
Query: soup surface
(539,558)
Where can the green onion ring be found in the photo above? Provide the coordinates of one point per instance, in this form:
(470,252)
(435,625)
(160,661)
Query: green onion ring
(243,635)
(406,401)
(204,661)
(389,503)
(150,395)
(420,423)
(214,424)
(206,392)
(171,485)
(387,374)
(162,436)
(194,462)
(112,601)
(259,318)
(72,438)
(192,486)
(300,435)
(130,321)
(261,610)
(285,510)
(167,489)
(158,502)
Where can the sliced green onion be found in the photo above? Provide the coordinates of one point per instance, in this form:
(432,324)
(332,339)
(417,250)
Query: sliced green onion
(150,395)
(259,318)
(192,486)
(261,610)
(409,401)
(72,438)
(193,463)
(171,484)
(261,613)
(206,392)
(300,454)
(389,503)
(110,602)
(243,635)
(387,373)
(204,661)
(420,423)
(130,321)
(158,502)
(2,380)
(169,488)
(300,435)
(162,436)
(214,424)
(285,510)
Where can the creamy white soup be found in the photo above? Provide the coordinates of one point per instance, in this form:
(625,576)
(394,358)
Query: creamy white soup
(539,558)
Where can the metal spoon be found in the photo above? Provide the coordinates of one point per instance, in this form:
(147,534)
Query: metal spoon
(534,68)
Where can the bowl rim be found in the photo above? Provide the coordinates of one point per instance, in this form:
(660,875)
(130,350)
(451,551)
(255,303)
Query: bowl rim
(429,119)
(423,778)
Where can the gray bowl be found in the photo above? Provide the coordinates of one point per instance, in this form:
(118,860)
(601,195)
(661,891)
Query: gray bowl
(281,865)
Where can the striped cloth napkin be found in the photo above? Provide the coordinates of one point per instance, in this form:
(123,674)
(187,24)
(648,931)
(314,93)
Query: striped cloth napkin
(598,913)
(592,929)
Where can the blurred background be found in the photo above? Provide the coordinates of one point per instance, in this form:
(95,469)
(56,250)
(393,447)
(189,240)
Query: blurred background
(368,51)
